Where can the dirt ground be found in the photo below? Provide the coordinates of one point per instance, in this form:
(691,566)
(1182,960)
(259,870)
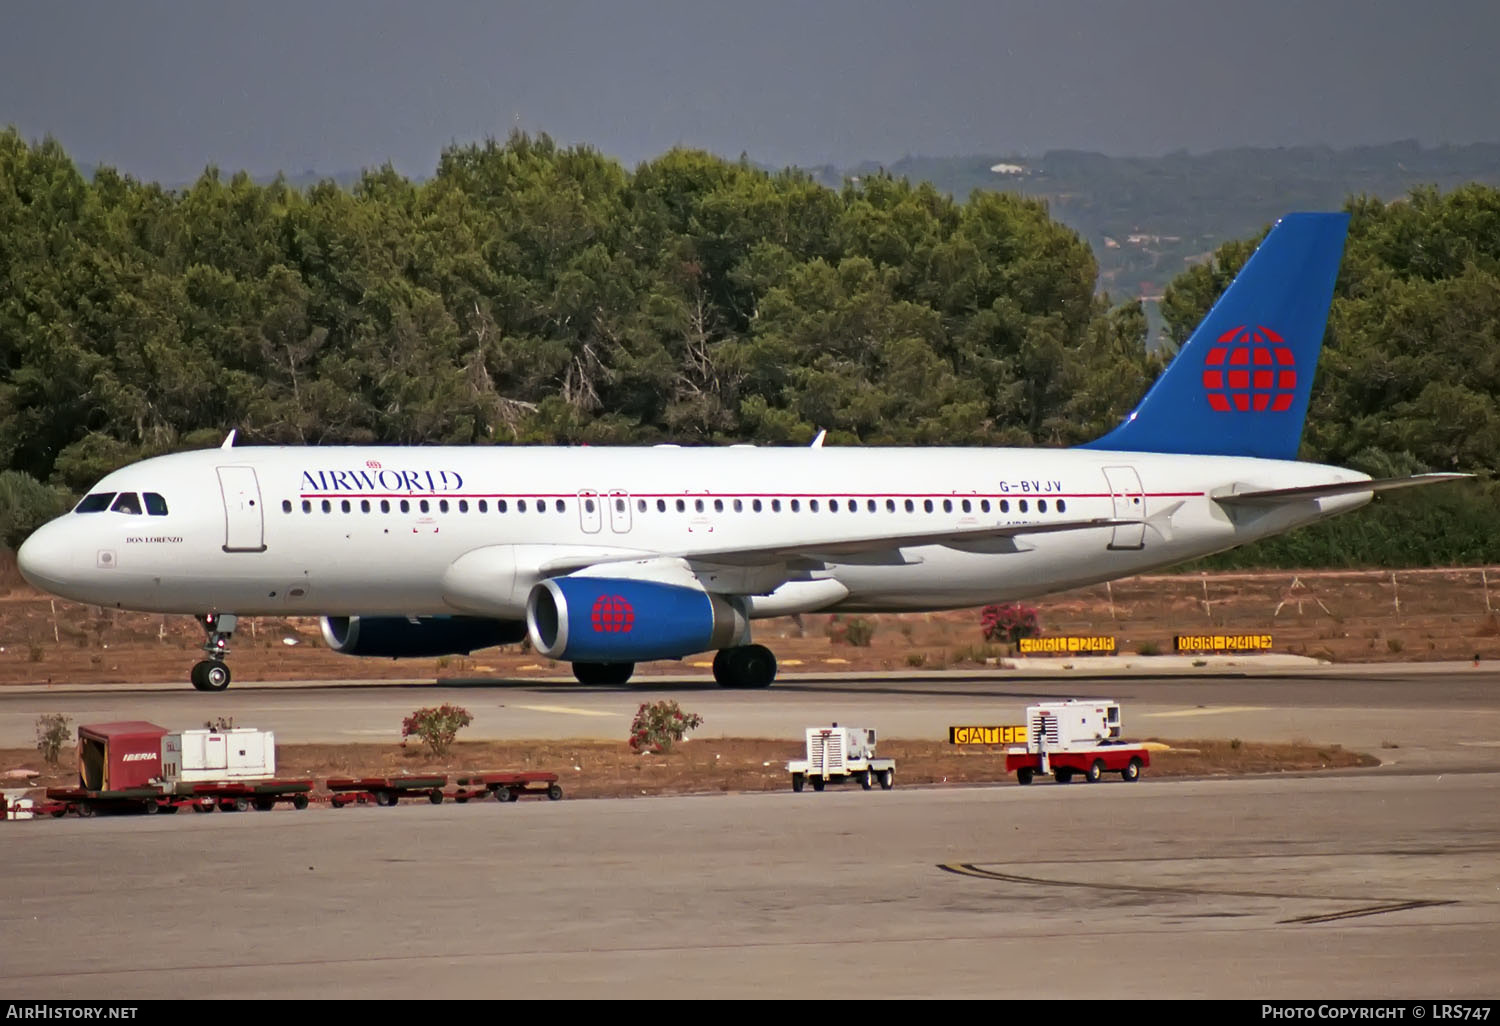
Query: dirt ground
(1363,616)
(1357,616)
(597,769)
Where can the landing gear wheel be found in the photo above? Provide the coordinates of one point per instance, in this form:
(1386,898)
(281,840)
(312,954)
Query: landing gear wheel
(1024,775)
(1095,771)
(745,666)
(1132,772)
(887,779)
(210,675)
(603,673)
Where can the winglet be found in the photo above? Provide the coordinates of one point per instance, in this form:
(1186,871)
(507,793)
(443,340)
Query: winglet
(229,442)
(817,443)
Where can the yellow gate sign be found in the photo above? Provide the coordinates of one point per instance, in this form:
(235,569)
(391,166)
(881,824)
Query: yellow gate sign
(1071,645)
(1012,734)
(1223,642)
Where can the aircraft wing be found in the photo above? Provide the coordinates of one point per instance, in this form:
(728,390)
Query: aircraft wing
(828,550)
(1281,496)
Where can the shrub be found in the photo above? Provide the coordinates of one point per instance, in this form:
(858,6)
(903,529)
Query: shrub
(1010,622)
(857,631)
(436,727)
(51,732)
(660,725)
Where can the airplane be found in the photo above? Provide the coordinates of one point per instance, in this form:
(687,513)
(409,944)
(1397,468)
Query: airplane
(606,557)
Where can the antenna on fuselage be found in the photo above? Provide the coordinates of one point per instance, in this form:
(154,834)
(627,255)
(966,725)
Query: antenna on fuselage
(229,442)
(817,443)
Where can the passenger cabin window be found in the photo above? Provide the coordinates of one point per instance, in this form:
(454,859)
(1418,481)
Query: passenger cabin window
(1062,507)
(156,506)
(286,505)
(96,503)
(127,502)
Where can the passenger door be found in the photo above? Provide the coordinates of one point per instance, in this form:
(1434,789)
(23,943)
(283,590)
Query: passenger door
(1129,501)
(244,522)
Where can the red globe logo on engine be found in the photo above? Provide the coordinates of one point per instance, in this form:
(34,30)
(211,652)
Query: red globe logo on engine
(613,615)
(1250,369)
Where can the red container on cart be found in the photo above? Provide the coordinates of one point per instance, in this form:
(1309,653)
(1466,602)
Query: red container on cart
(117,756)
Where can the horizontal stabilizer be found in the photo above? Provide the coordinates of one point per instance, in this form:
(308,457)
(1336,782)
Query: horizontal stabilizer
(1280,496)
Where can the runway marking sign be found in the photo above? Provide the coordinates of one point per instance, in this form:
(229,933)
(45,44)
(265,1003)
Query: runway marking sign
(1223,642)
(1009,734)
(1070,645)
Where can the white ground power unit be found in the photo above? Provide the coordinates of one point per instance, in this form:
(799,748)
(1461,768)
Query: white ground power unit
(839,754)
(194,756)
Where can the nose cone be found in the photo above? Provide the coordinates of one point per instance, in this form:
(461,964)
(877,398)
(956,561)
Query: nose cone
(46,557)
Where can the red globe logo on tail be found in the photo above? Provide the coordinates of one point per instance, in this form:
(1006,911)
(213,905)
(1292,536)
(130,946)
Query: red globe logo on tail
(1250,369)
(613,615)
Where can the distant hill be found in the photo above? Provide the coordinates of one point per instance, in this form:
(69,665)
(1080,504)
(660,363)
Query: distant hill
(1148,217)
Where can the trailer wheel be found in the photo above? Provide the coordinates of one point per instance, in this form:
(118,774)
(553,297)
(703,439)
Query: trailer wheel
(299,802)
(1024,775)
(1095,771)
(241,805)
(554,792)
(59,813)
(265,804)
(1132,772)
(818,783)
(798,780)
(864,779)
(887,779)
(85,810)
(435,797)
(152,808)
(1063,776)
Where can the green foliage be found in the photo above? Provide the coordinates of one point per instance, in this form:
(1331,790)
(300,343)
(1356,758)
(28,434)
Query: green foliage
(660,725)
(535,293)
(436,726)
(51,734)
(26,504)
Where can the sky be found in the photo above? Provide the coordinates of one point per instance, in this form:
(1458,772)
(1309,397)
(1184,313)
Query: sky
(162,89)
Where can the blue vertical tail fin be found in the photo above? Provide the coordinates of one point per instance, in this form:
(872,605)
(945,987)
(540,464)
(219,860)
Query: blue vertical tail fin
(1239,386)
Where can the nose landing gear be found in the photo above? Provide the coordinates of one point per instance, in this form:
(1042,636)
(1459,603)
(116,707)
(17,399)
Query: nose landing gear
(212,674)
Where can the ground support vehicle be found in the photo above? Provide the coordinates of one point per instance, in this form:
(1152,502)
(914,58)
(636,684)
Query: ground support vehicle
(506,787)
(1082,737)
(229,796)
(840,754)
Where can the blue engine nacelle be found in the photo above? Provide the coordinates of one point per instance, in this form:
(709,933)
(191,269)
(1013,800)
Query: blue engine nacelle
(613,620)
(399,637)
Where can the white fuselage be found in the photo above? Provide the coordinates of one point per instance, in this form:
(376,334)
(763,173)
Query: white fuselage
(380,530)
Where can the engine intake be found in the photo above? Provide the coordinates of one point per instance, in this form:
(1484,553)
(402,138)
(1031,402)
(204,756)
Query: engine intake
(612,620)
(399,637)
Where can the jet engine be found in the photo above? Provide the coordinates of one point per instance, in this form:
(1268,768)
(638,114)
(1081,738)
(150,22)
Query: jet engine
(614,620)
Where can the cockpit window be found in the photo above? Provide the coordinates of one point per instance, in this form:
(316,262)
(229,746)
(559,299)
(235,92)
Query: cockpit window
(96,503)
(155,504)
(127,502)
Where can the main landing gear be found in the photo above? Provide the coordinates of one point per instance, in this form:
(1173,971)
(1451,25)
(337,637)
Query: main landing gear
(212,674)
(745,666)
